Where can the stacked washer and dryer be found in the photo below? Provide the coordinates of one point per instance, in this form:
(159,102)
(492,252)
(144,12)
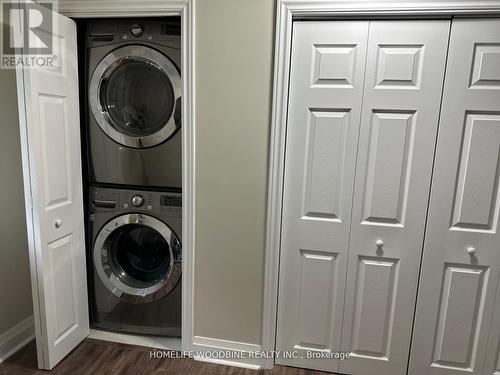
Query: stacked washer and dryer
(133,148)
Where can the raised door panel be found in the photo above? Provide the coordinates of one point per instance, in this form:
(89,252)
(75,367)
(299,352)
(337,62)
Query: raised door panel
(327,138)
(460,305)
(326,86)
(485,72)
(64,299)
(374,306)
(49,109)
(317,315)
(56,176)
(388,167)
(404,76)
(476,205)
(459,276)
(399,65)
(334,65)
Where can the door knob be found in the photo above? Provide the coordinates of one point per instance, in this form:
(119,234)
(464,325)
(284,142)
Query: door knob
(58,223)
(471,250)
(379,243)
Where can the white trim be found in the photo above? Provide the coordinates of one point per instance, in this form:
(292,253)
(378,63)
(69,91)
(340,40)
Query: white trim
(310,8)
(225,362)
(122,8)
(156,342)
(132,8)
(189,174)
(16,337)
(224,347)
(186,9)
(226,344)
(286,11)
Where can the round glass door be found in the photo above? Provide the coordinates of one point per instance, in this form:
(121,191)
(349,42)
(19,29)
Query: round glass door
(140,253)
(138,258)
(134,96)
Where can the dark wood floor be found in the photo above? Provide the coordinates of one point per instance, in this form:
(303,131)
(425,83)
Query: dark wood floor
(102,357)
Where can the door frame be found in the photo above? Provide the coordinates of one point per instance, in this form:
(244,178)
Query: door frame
(287,11)
(132,8)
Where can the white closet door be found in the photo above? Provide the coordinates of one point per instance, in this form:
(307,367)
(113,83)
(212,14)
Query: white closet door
(50,133)
(462,250)
(403,84)
(326,85)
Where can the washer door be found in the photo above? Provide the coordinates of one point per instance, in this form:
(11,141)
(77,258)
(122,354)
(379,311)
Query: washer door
(135,96)
(138,258)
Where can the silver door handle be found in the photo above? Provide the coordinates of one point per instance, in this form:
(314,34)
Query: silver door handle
(379,243)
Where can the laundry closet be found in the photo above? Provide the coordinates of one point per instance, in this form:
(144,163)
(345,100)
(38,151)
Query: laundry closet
(106,147)
(390,191)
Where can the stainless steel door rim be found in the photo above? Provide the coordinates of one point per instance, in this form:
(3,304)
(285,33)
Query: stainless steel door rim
(107,66)
(117,281)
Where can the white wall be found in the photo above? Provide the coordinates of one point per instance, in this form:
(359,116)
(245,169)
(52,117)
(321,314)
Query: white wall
(234,57)
(15,289)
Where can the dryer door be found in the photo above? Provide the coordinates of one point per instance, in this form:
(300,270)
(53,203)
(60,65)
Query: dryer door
(135,96)
(138,258)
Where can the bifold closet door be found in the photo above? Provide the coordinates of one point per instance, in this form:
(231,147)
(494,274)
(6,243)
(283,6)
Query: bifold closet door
(404,77)
(326,86)
(453,331)
(50,135)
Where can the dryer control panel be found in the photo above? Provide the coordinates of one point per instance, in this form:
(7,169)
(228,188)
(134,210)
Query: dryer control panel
(166,31)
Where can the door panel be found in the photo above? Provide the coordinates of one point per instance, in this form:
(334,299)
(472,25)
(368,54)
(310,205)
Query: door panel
(459,277)
(475,205)
(462,300)
(327,141)
(327,72)
(318,272)
(50,114)
(404,76)
(388,166)
(374,306)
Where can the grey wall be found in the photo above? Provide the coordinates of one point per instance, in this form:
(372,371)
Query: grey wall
(15,290)
(234,61)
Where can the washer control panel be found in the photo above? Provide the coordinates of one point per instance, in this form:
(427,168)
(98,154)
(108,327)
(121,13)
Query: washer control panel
(123,200)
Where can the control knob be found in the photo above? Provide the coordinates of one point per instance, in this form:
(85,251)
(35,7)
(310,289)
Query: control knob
(137,200)
(137,30)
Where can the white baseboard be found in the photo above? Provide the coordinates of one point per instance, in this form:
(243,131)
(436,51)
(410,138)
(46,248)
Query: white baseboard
(213,348)
(16,337)
(156,342)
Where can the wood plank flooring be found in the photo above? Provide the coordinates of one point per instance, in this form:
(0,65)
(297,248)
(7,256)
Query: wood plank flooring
(102,357)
